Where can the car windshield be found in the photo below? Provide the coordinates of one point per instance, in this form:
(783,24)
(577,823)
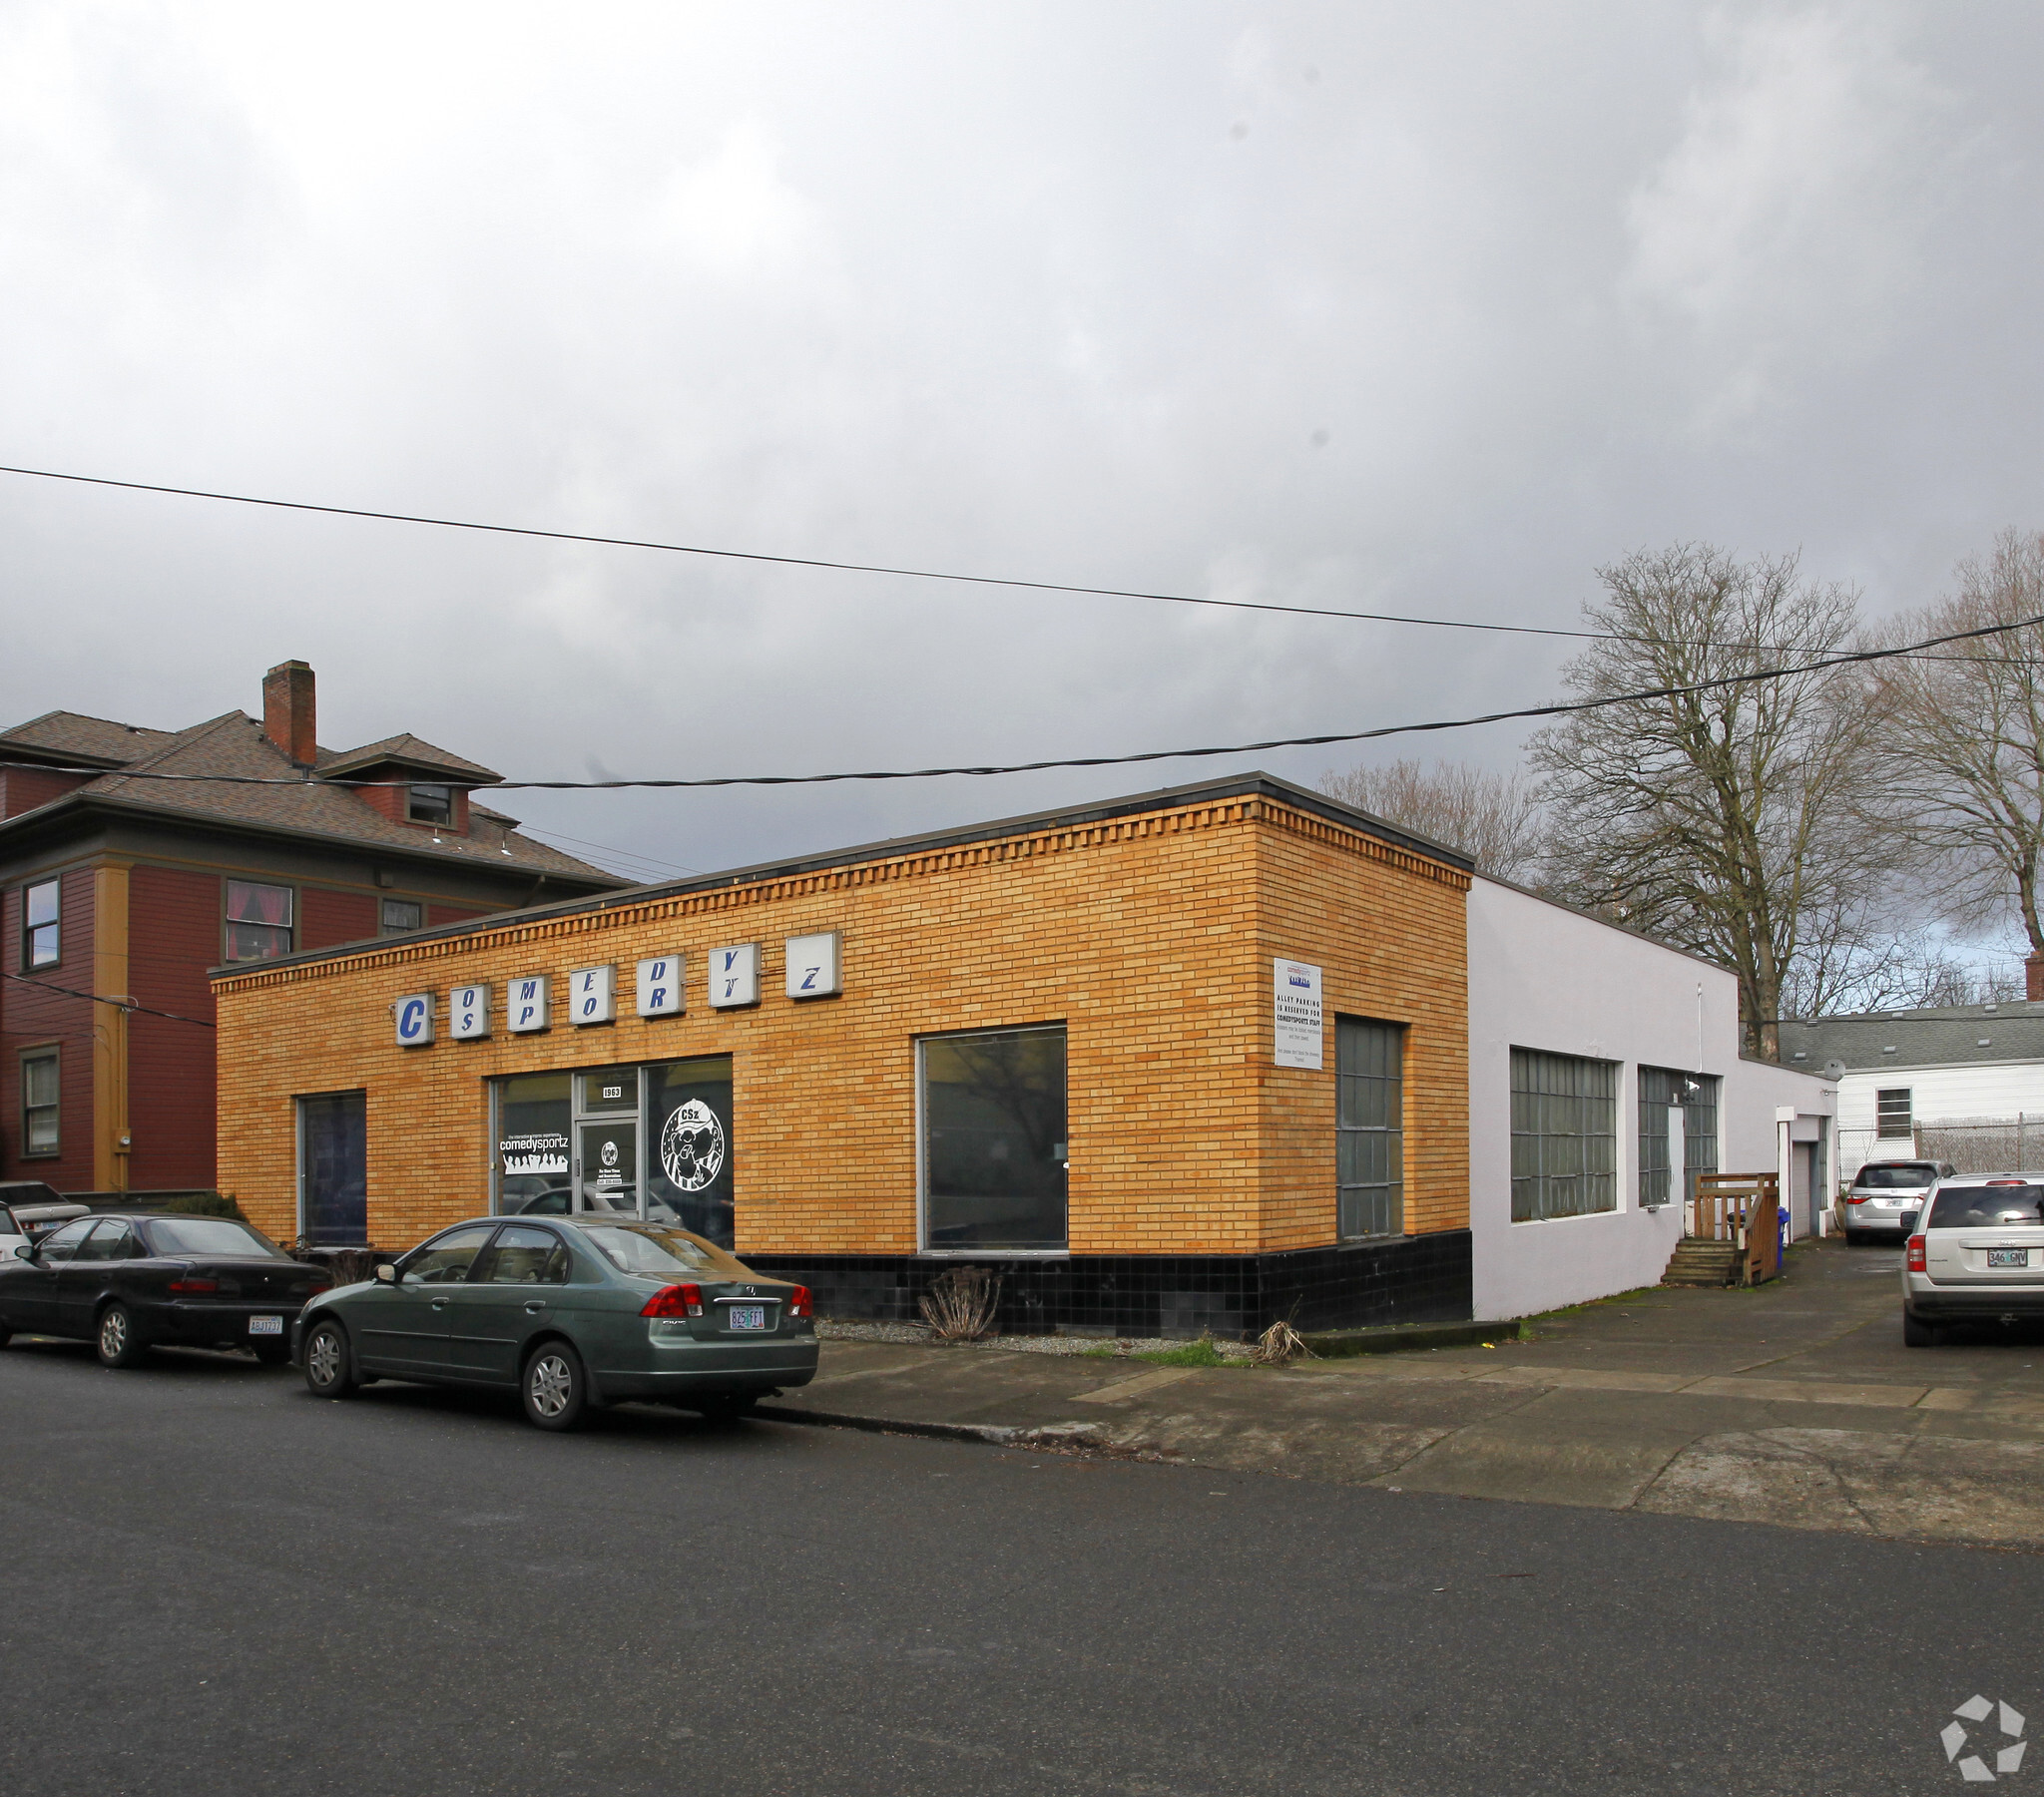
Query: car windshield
(1983,1206)
(662,1253)
(1913,1177)
(209,1236)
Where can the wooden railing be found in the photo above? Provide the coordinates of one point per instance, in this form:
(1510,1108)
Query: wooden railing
(1744,1209)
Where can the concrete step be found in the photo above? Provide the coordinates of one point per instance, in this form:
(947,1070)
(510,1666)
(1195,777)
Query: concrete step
(1702,1263)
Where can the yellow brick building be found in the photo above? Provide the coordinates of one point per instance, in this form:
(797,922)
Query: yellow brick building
(1050,1045)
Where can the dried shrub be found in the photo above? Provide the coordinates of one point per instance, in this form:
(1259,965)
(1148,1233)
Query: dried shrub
(960,1304)
(1281,1344)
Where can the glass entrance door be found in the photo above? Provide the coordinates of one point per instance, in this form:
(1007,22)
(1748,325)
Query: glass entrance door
(608,1151)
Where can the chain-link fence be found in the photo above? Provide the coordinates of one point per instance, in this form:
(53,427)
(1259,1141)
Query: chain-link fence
(1991,1144)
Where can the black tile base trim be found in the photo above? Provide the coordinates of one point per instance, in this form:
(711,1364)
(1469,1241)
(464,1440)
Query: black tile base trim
(1409,1279)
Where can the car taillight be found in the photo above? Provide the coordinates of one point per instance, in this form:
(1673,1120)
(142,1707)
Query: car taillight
(675,1300)
(194,1285)
(1855,1198)
(801,1304)
(1917,1262)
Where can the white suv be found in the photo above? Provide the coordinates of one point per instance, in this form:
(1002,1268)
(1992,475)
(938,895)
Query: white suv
(1976,1254)
(1883,1193)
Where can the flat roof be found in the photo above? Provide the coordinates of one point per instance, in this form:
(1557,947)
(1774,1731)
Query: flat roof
(1164,798)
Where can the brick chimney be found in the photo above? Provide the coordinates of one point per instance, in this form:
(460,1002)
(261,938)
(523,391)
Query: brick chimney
(287,711)
(2033,978)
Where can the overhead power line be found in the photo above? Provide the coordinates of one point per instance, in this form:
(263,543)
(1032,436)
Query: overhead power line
(1848,658)
(897,572)
(118,1004)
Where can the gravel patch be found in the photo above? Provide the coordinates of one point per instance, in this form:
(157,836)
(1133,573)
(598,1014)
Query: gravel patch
(917,1335)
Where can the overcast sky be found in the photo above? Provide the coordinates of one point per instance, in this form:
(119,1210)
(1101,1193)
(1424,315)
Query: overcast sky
(1423,308)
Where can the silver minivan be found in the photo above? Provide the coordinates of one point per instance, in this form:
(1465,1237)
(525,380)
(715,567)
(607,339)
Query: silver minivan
(1976,1254)
(1883,1193)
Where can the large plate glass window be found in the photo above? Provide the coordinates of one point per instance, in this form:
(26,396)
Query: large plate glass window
(1370,1128)
(993,1140)
(689,1145)
(41,924)
(333,1169)
(1564,1135)
(258,921)
(39,1131)
(534,1115)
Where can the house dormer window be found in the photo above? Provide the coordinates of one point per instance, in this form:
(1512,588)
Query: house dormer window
(431,805)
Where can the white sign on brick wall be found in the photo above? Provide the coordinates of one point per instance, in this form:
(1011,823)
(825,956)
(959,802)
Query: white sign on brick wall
(593,994)
(414,1013)
(525,1004)
(468,1013)
(1300,1032)
(813,970)
(734,975)
(660,986)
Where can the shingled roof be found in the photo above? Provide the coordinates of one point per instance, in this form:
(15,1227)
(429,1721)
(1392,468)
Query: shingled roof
(235,744)
(1948,1035)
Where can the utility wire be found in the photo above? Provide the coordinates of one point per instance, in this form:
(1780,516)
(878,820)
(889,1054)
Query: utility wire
(1848,659)
(911,574)
(123,1003)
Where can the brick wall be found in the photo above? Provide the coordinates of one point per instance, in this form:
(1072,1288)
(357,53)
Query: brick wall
(174,936)
(1150,937)
(31,1015)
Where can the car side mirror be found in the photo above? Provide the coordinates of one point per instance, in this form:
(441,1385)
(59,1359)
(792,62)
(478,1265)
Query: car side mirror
(386,1276)
(27,1251)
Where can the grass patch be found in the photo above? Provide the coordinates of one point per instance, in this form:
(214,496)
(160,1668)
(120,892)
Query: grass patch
(1200,1353)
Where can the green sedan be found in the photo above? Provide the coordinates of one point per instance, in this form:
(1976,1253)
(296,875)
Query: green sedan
(572,1312)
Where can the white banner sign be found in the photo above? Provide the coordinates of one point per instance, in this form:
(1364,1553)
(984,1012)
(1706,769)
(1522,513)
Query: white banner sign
(414,1019)
(593,994)
(525,1004)
(813,965)
(1300,1031)
(468,1013)
(660,986)
(734,975)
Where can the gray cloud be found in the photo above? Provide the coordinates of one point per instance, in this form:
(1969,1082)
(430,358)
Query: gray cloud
(1422,309)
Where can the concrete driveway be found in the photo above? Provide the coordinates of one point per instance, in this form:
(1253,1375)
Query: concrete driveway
(1794,1404)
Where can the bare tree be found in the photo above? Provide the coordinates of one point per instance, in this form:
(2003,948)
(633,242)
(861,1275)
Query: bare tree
(1493,818)
(1722,821)
(1962,743)
(1856,964)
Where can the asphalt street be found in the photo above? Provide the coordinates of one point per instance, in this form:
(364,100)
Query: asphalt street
(220,1585)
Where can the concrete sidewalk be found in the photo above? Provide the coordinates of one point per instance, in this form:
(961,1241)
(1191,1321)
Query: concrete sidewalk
(1794,1403)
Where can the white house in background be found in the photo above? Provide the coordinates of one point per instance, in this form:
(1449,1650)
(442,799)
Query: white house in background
(1964,1084)
(1604,1071)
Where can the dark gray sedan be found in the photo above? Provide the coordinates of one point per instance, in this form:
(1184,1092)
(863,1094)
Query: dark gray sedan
(570,1313)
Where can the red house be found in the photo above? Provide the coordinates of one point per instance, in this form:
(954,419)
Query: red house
(118,894)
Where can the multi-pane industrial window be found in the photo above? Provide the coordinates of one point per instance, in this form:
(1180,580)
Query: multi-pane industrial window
(431,805)
(1664,1168)
(1892,1113)
(39,1102)
(1564,1135)
(40,927)
(993,1140)
(1370,1128)
(258,921)
(402,914)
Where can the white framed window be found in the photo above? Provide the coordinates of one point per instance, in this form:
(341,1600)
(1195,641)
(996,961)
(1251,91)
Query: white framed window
(1895,1113)
(42,907)
(40,1133)
(260,921)
(1564,1135)
(990,1109)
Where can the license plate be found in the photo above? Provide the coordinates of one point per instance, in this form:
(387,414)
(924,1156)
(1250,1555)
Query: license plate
(748,1316)
(265,1325)
(2009,1256)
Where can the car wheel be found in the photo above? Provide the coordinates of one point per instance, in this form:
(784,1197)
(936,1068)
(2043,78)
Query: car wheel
(1917,1334)
(329,1372)
(120,1342)
(554,1390)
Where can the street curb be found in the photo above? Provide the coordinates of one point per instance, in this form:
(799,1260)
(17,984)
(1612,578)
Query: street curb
(1395,1337)
(994,1434)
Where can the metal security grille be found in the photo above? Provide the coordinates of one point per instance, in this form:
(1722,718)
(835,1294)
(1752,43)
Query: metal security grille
(1369,1128)
(1564,1135)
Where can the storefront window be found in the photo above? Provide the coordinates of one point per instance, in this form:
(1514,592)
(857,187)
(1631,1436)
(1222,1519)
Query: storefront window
(993,1150)
(576,1143)
(333,1179)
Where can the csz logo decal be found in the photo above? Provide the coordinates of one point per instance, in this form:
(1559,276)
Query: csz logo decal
(691,1146)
